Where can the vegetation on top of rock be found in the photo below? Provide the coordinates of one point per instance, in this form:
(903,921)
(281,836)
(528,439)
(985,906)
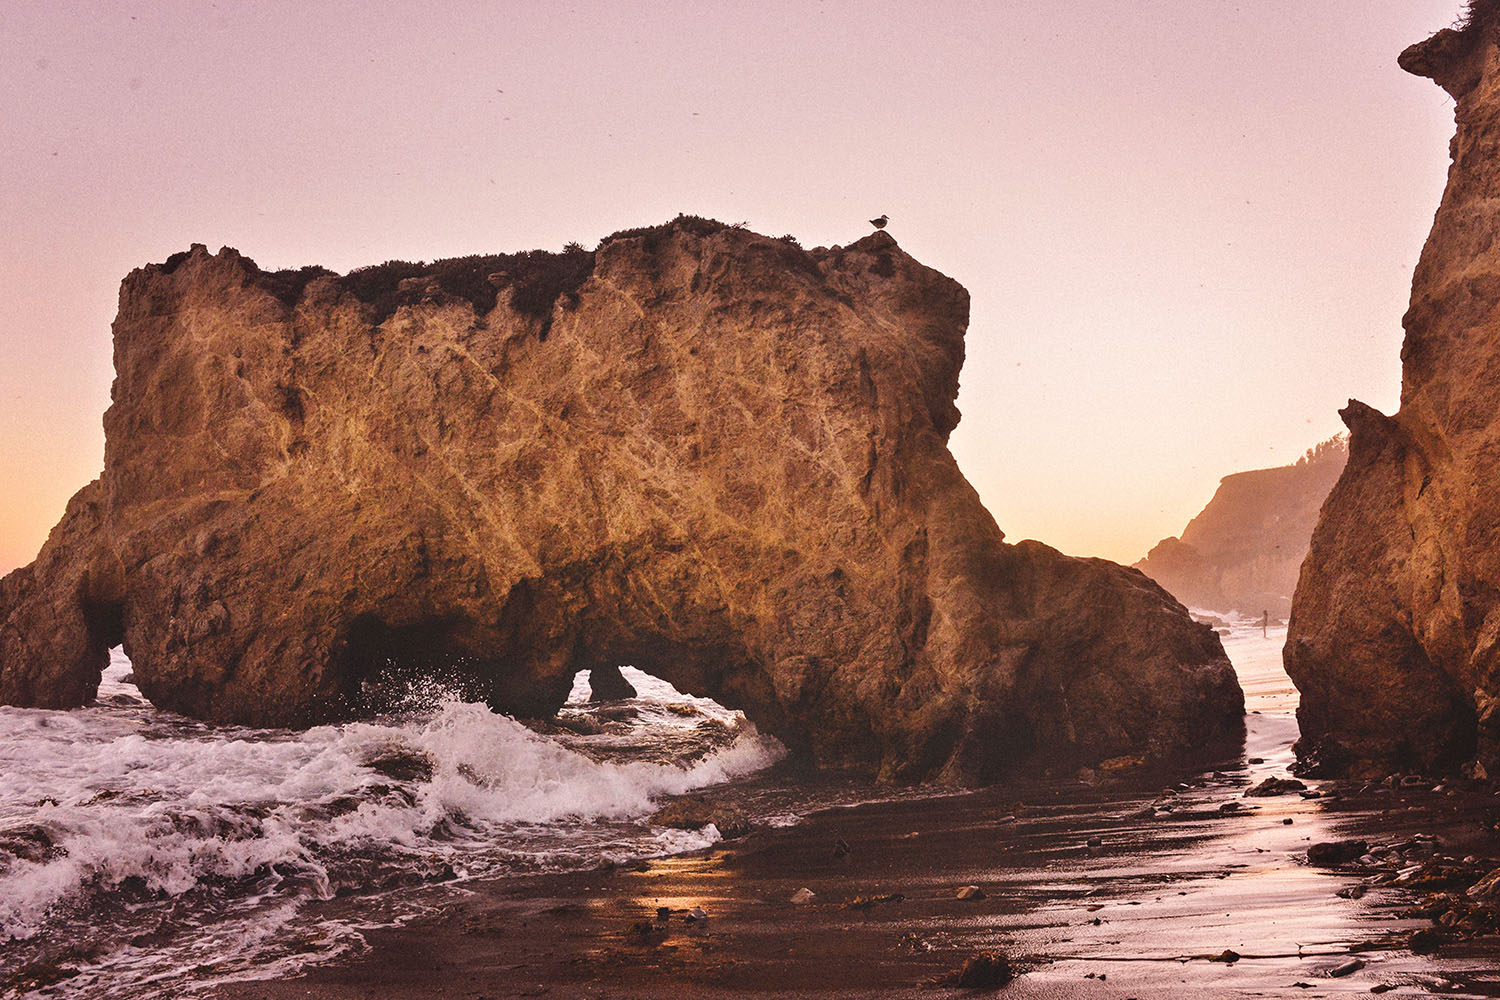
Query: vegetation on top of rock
(173,262)
(286,284)
(289,284)
(1477,15)
(1335,449)
(537,278)
(654,236)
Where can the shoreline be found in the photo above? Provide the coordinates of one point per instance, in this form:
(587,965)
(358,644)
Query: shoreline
(1088,889)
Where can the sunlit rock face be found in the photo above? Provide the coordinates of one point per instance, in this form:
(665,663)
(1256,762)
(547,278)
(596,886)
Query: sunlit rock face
(1395,628)
(707,453)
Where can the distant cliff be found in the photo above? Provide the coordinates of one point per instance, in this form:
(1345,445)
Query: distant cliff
(1243,551)
(711,454)
(1394,639)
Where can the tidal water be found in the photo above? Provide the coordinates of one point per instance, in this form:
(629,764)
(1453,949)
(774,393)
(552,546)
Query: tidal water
(149,855)
(152,853)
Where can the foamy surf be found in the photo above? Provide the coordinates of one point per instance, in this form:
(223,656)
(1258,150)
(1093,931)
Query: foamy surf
(156,852)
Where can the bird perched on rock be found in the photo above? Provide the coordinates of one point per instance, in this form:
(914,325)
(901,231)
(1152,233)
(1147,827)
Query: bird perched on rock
(879,223)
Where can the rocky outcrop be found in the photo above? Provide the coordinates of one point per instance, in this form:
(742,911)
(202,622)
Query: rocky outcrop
(1243,551)
(1395,630)
(707,453)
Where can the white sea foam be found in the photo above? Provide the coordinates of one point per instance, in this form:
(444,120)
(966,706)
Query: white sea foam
(120,804)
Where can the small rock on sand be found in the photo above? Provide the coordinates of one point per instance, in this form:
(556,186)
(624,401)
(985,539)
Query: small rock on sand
(645,932)
(1276,786)
(693,812)
(987,970)
(970,892)
(1336,852)
(1347,967)
(1424,941)
(1226,956)
(803,896)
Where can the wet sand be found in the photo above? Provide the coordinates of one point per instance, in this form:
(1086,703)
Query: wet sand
(1114,887)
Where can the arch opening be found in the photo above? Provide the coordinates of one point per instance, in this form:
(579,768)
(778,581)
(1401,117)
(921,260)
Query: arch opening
(104,629)
(380,666)
(657,723)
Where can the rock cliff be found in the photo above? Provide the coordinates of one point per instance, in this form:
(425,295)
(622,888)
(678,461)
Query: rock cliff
(704,452)
(1395,629)
(1243,551)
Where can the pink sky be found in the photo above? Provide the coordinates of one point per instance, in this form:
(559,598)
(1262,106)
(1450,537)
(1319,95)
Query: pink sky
(1188,227)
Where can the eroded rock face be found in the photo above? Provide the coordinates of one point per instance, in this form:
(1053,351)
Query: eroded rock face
(697,450)
(1395,629)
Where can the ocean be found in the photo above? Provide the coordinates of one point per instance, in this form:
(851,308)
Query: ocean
(149,855)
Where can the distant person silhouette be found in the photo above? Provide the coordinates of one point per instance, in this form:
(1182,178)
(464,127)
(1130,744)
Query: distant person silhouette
(879,222)
(1265,624)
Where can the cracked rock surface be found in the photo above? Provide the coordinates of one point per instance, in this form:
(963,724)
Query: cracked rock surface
(697,450)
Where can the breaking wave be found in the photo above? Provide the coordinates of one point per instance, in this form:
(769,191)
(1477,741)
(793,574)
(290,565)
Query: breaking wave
(134,844)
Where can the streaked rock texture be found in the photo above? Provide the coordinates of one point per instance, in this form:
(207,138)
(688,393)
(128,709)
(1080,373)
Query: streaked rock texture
(698,450)
(1395,628)
(1243,551)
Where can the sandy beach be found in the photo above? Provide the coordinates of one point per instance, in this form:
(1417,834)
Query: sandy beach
(1131,885)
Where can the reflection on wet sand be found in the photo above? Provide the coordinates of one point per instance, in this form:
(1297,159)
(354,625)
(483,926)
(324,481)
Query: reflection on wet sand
(1138,884)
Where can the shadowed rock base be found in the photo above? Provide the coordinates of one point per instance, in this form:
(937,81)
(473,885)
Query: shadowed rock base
(709,454)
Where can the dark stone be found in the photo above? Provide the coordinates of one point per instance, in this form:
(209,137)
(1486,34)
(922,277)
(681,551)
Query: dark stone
(27,842)
(694,812)
(1332,853)
(401,764)
(1276,786)
(608,684)
(1424,941)
(645,932)
(987,970)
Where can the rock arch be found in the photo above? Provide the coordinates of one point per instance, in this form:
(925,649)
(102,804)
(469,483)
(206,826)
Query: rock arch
(695,448)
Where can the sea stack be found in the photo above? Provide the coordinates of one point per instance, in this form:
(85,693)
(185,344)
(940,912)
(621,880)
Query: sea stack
(1394,638)
(701,451)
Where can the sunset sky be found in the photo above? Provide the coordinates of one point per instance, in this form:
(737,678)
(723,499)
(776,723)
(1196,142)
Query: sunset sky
(1188,227)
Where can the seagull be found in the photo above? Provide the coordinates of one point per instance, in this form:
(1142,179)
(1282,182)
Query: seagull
(880,222)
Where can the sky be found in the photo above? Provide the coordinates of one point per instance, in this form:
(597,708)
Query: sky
(1187,227)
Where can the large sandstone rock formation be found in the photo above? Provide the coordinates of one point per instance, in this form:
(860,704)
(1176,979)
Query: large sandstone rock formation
(1243,551)
(1395,629)
(697,450)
